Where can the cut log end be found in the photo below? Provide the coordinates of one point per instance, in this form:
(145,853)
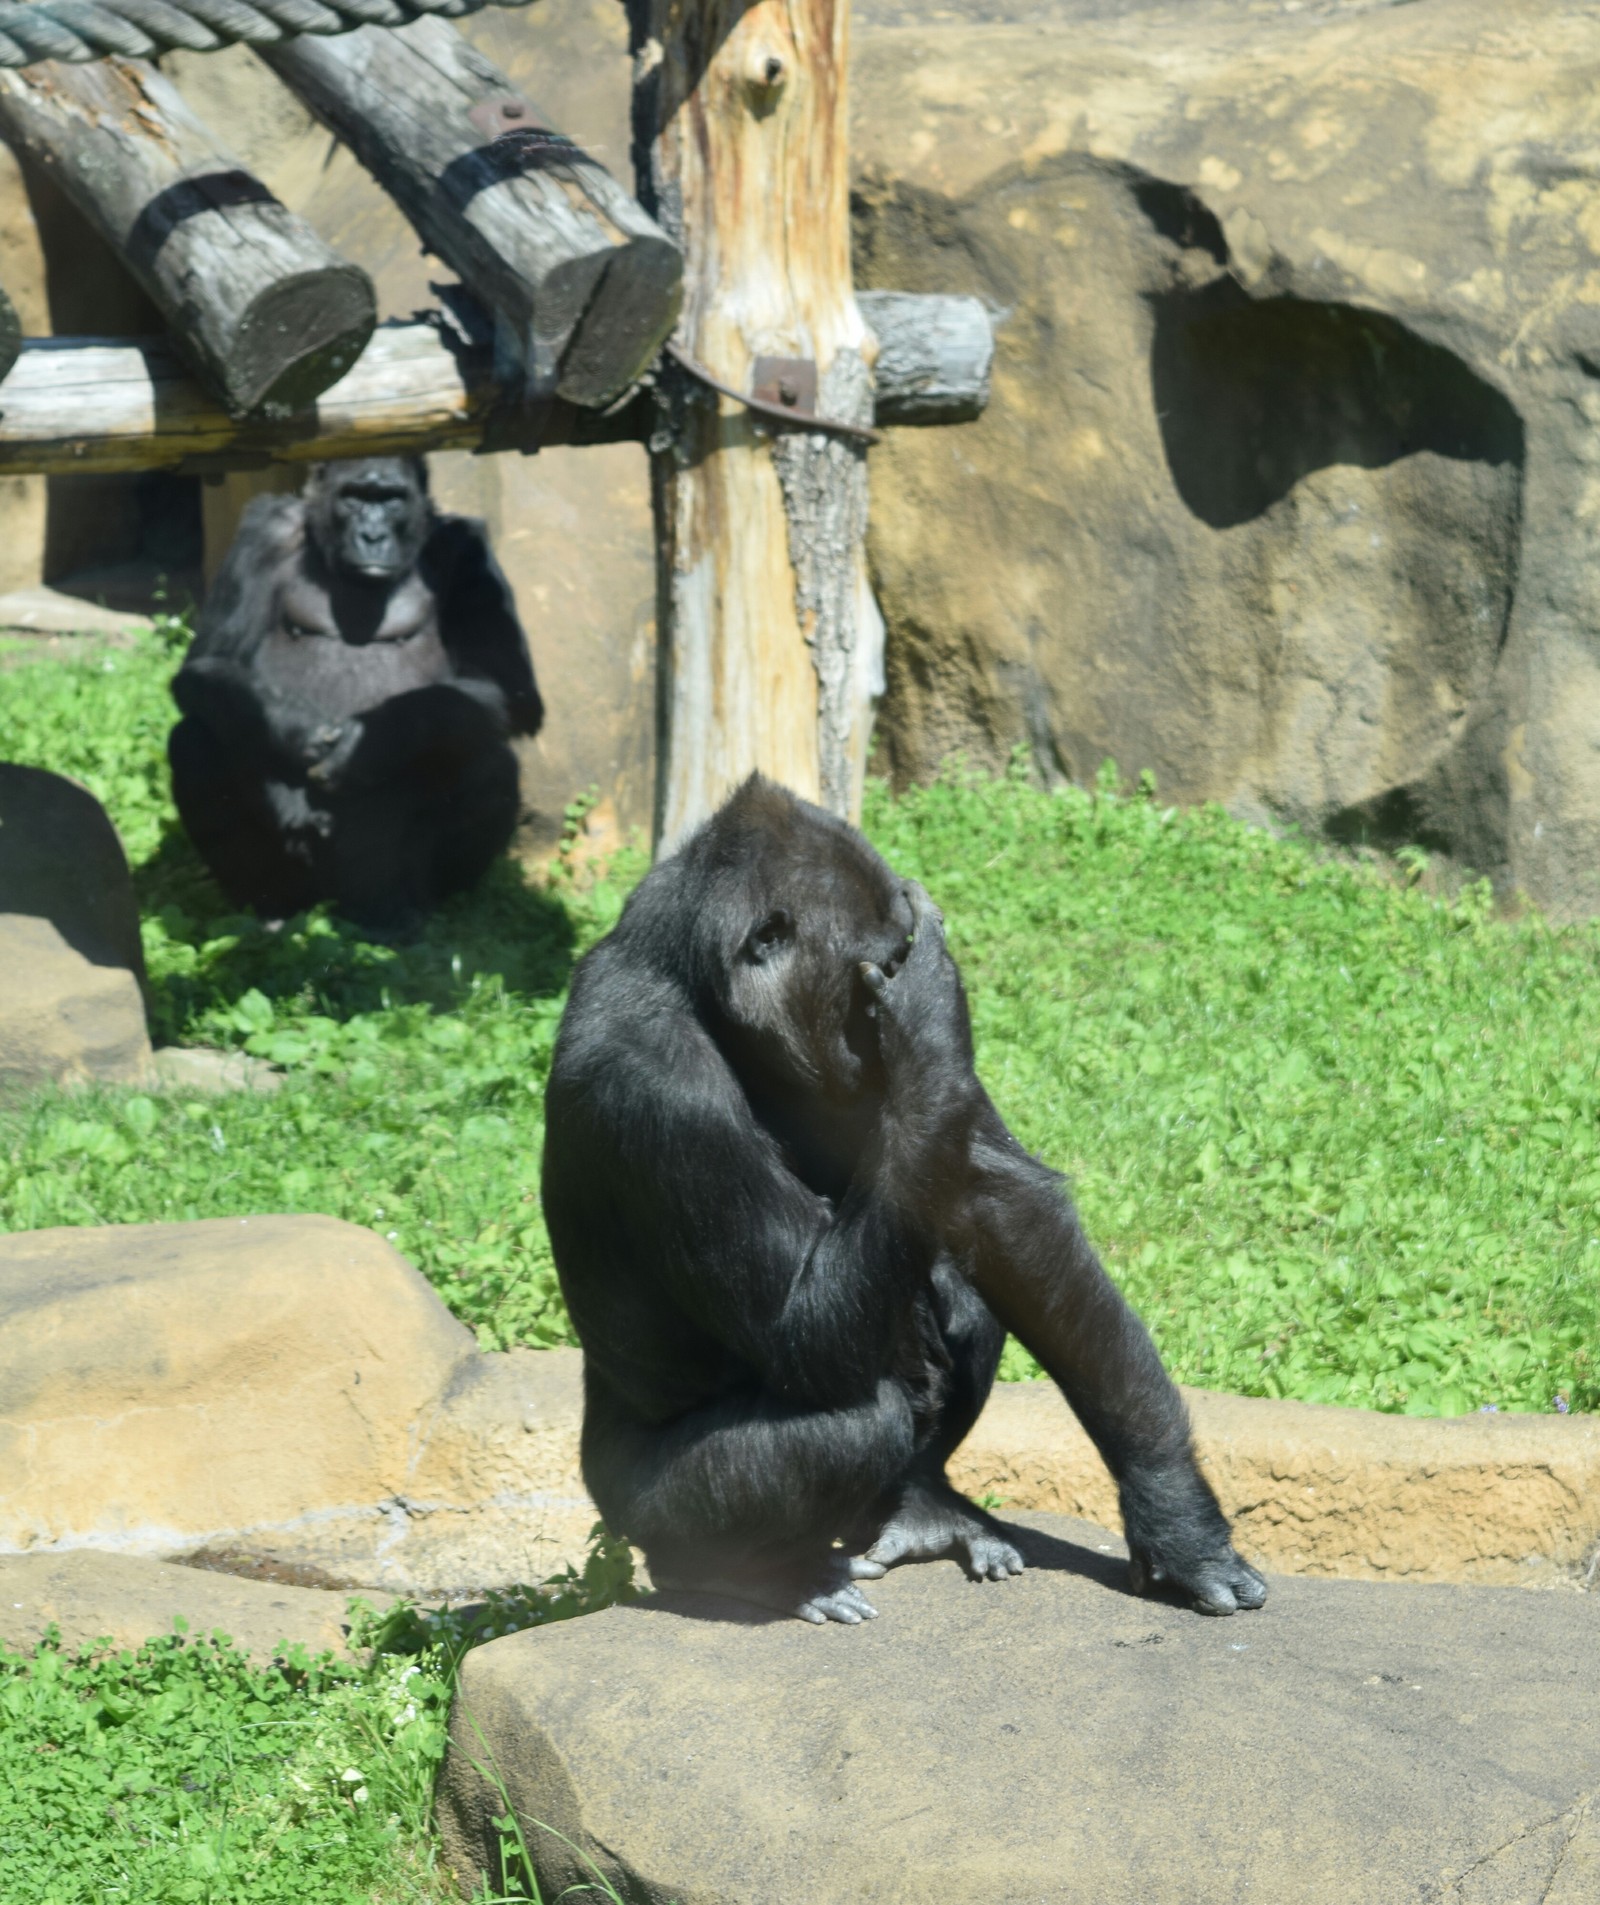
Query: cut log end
(296,340)
(629,316)
(935,354)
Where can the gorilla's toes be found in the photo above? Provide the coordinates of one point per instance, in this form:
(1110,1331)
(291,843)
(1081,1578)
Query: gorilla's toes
(991,1558)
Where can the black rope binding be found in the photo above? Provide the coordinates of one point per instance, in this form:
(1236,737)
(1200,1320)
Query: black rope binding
(80,30)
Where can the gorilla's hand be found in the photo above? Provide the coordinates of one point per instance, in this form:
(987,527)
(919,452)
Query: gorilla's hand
(294,812)
(1213,1584)
(330,750)
(924,1034)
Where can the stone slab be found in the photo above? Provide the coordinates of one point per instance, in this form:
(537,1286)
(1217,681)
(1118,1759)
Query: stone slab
(129,1600)
(45,611)
(1050,1740)
(291,1386)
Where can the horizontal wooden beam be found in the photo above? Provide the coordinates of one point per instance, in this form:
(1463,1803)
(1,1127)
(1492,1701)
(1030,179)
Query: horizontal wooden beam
(100,405)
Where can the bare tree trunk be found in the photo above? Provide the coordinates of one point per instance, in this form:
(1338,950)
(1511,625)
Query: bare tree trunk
(770,644)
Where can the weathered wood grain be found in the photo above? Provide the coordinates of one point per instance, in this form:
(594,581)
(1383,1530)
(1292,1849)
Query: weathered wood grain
(266,313)
(771,646)
(99,405)
(586,285)
(84,405)
(934,356)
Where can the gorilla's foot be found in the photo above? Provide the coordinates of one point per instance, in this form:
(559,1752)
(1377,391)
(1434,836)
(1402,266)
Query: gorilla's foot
(932,1520)
(825,1593)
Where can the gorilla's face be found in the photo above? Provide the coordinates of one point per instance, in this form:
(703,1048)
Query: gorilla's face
(793,930)
(369,516)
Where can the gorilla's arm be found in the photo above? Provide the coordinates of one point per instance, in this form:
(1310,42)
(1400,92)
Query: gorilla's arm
(1038,1273)
(1015,1230)
(478,622)
(216,683)
(656,1170)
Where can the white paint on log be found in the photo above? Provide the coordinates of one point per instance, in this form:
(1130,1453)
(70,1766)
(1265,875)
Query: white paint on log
(935,354)
(71,406)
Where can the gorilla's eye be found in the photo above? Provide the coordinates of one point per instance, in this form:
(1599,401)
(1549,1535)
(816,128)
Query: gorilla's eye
(774,931)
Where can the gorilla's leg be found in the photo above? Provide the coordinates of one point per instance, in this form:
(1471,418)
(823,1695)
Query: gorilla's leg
(475,820)
(922,1516)
(231,820)
(747,1496)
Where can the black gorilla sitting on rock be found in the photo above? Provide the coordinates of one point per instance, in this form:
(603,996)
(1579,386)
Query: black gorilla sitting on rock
(792,1231)
(347,701)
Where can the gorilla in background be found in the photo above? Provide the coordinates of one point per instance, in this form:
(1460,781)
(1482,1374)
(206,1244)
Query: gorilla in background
(792,1232)
(347,701)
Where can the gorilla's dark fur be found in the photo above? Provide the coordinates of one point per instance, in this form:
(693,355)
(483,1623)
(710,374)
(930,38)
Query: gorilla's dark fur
(346,703)
(792,1231)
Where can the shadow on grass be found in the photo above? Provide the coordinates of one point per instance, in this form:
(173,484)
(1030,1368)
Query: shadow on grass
(507,928)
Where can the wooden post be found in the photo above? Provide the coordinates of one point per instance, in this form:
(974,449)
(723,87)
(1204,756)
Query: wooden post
(586,286)
(770,643)
(265,311)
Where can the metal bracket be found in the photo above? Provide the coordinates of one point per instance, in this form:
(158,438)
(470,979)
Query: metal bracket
(784,388)
(790,382)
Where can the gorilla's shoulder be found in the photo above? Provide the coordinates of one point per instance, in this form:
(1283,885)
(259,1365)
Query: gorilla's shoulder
(457,548)
(276,525)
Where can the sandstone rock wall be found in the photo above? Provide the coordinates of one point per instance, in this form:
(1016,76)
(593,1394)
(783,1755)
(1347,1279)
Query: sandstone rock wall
(1288,487)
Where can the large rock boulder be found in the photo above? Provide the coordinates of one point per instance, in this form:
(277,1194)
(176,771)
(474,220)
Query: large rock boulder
(1288,487)
(61,860)
(1052,1740)
(277,1386)
(63,1019)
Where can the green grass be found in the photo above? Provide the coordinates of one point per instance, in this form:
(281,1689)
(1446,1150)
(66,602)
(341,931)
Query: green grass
(184,1773)
(1337,1140)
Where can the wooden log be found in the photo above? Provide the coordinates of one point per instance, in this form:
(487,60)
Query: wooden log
(10,334)
(95,405)
(771,645)
(586,286)
(934,356)
(98,406)
(268,315)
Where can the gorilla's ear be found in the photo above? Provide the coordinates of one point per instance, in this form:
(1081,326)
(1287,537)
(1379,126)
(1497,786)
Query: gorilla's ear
(776,930)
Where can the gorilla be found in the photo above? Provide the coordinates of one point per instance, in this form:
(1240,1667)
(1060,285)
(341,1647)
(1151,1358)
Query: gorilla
(792,1232)
(347,701)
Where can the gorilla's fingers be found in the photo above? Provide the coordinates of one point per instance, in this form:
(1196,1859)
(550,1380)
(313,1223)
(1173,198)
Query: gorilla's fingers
(872,977)
(1225,1585)
(864,1568)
